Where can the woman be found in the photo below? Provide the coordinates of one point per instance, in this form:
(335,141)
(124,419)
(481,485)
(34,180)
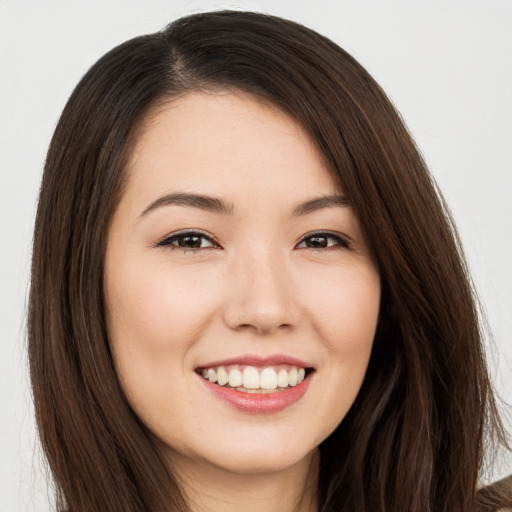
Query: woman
(246,289)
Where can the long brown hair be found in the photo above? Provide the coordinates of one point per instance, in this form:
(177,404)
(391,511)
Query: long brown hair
(414,439)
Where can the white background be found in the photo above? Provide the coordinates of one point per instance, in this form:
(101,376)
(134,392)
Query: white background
(447,65)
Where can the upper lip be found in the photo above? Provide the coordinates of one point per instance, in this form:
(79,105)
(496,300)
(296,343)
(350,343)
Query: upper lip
(254,360)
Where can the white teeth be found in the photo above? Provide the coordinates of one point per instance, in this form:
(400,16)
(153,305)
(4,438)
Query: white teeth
(292,377)
(251,378)
(222,376)
(235,378)
(282,378)
(268,378)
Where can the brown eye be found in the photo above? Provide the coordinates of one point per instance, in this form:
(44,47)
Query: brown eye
(323,241)
(188,241)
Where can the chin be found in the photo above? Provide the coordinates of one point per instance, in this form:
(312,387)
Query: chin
(258,455)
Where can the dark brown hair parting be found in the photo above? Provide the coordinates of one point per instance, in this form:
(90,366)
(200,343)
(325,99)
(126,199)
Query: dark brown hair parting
(414,440)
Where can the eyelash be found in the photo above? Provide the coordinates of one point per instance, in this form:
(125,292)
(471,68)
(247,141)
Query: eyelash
(342,243)
(167,242)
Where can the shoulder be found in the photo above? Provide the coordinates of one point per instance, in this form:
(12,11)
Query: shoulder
(496,497)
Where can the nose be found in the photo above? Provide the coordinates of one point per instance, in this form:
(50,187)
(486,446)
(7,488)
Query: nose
(261,296)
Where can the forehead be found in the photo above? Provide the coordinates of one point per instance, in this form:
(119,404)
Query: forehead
(224,143)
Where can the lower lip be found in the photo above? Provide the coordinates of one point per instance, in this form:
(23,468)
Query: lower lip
(259,403)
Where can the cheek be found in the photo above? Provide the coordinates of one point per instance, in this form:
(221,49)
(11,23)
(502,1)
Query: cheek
(155,308)
(346,309)
(345,312)
(155,314)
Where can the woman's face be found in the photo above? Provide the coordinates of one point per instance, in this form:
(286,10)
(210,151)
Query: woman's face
(233,256)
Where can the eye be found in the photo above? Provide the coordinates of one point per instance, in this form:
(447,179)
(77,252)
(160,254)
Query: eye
(188,240)
(322,240)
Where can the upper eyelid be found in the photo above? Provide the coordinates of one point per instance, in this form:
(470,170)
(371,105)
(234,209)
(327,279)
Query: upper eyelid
(344,238)
(188,232)
(327,233)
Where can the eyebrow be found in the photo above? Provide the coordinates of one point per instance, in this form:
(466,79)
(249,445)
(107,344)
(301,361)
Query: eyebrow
(207,203)
(216,205)
(320,203)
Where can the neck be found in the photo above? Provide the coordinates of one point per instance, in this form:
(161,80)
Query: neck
(213,489)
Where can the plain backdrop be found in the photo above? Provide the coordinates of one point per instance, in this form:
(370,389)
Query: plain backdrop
(447,65)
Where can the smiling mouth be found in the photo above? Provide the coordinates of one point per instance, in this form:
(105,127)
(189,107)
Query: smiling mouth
(256,379)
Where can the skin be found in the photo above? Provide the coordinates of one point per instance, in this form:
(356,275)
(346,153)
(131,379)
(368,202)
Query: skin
(258,287)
